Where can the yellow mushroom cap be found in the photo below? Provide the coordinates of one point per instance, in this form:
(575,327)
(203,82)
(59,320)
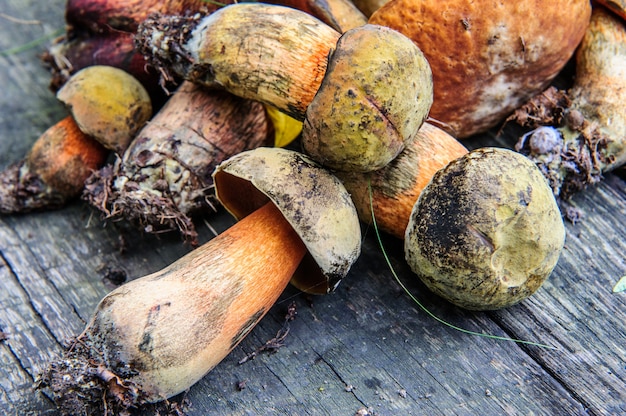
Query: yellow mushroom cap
(486,232)
(108,104)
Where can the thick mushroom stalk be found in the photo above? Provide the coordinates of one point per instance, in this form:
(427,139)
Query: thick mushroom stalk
(156,336)
(486,232)
(361,97)
(396,187)
(164,177)
(585,134)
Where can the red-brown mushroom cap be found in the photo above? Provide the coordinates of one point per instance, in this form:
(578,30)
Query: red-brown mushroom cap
(488,57)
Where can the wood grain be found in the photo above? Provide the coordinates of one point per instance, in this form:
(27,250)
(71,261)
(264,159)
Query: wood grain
(365,346)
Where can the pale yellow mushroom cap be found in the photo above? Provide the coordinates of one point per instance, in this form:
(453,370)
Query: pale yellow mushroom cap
(313,201)
(108,104)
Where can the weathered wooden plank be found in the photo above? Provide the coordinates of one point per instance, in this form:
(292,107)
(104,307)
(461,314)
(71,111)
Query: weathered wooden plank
(365,346)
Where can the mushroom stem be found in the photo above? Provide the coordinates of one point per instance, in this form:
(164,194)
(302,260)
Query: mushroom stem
(592,137)
(54,170)
(158,335)
(397,186)
(273,54)
(164,177)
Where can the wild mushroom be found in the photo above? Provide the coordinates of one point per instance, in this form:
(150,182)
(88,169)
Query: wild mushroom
(64,156)
(396,187)
(581,134)
(486,232)
(368,91)
(488,57)
(156,336)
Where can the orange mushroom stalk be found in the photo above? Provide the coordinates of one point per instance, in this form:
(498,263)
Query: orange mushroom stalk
(154,337)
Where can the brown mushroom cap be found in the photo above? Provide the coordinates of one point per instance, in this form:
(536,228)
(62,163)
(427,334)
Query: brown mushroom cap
(312,200)
(486,231)
(108,104)
(375,95)
(488,57)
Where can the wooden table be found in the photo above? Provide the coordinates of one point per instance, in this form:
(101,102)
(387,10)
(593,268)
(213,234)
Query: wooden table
(365,348)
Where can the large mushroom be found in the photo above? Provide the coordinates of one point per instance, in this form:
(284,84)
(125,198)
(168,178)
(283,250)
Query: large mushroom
(362,94)
(486,232)
(488,57)
(155,336)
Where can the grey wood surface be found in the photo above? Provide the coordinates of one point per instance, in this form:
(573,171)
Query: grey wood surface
(366,346)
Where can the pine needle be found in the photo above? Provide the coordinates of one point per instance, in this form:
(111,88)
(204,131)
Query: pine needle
(32,44)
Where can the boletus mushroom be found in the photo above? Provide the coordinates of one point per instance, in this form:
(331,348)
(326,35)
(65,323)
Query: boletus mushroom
(582,131)
(361,94)
(155,336)
(107,107)
(486,232)
(488,57)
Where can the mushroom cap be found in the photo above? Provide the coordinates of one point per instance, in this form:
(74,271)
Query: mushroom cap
(486,231)
(375,95)
(313,201)
(488,57)
(108,104)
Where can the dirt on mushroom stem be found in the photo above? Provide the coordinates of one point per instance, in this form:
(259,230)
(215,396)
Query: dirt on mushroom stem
(155,336)
(53,172)
(579,134)
(164,177)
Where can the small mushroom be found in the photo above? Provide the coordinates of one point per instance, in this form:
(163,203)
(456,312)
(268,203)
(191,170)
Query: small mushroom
(108,104)
(361,97)
(155,336)
(486,231)
(488,57)
(313,201)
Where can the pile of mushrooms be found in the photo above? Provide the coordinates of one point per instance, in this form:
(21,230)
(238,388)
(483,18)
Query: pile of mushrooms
(481,228)
(354,118)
